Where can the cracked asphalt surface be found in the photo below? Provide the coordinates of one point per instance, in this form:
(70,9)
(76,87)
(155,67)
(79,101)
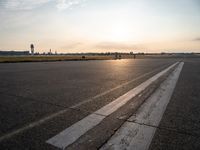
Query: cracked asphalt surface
(32,91)
(180,125)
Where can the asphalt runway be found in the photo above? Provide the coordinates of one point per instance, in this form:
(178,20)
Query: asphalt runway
(180,125)
(39,100)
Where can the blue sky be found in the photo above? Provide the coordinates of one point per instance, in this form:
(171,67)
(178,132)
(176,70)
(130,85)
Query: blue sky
(100,25)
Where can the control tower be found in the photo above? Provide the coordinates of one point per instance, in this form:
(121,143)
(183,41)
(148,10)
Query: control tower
(32,49)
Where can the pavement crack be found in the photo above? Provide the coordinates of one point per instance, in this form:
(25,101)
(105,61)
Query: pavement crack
(106,141)
(165,128)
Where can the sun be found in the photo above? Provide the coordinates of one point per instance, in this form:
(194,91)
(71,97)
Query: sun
(120,32)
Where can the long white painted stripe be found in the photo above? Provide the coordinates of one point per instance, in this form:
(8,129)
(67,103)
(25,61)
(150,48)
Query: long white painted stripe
(116,104)
(47,118)
(137,135)
(115,88)
(71,134)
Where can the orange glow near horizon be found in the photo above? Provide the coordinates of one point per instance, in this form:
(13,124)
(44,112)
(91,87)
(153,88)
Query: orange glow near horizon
(101,26)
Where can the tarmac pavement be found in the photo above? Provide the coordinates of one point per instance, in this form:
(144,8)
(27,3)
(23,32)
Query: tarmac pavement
(39,100)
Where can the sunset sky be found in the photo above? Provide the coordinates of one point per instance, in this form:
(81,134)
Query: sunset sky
(100,25)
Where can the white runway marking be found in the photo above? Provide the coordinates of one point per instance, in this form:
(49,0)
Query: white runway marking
(113,89)
(71,134)
(138,134)
(45,119)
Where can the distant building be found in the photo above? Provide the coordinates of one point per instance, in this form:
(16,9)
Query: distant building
(14,53)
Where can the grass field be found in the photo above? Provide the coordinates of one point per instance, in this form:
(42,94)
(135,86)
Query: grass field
(41,58)
(46,58)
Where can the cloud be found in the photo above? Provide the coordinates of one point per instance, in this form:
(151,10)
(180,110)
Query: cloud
(31,4)
(22,4)
(197,39)
(118,46)
(66,4)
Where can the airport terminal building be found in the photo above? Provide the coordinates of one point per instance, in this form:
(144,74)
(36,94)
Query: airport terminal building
(4,53)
